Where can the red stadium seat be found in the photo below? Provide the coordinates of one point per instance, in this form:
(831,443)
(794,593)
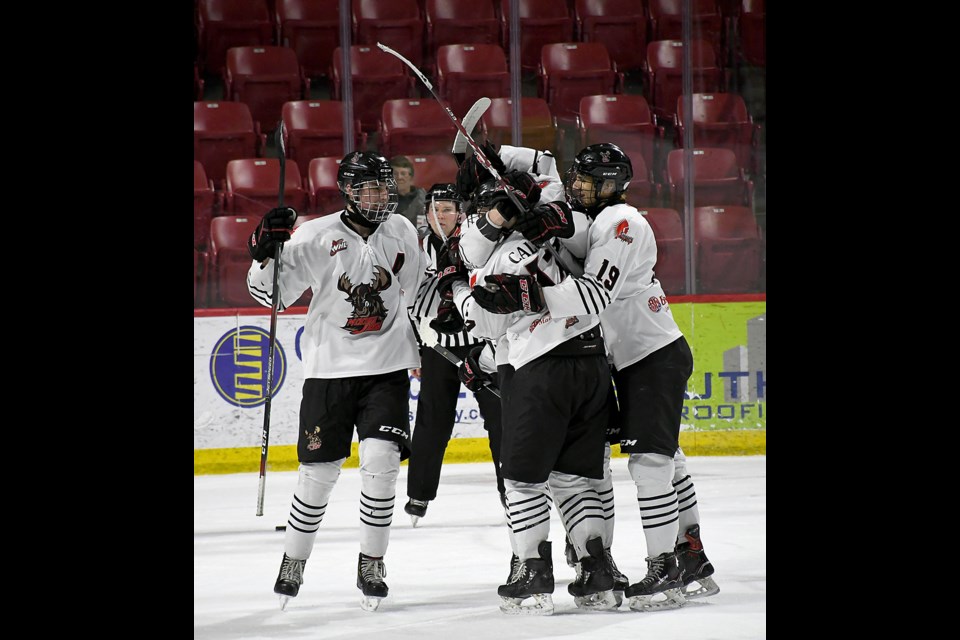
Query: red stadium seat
(314,128)
(666,22)
(670,269)
(206,204)
(312,29)
(570,70)
(224,131)
(230,261)
(643,191)
(718,180)
(264,78)
(459,22)
(541,22)
(664,74)
(322,186)
(720,120)
(729,248)
(430,169)
(415,127)
(395,23)
(230,23)
(751,30)
(466,72)
(253,186)
(538,127)
(377,76)
(625,120)
(619,24)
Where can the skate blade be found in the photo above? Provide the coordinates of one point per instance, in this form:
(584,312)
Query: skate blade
(602,601)
(618,596)
(707,588)
(672,599)
(542,605)
(283,602)
(414,520)
(370,603)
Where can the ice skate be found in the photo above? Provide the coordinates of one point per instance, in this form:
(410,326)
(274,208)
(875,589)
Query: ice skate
(593,588)
(370,575)
(532,578)
(514,565)
(620,581)
(289,579)
(417,509)
(696,567)
(660,589)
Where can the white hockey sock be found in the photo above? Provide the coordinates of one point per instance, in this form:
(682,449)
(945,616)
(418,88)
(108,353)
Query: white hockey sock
(379,468)
(528,516)
(580,508)
(604,489)
(653,475)
(686,495)
(314,486)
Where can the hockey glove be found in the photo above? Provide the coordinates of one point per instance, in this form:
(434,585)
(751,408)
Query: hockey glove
(470,373)
(523,186)
(275,227)
(545,221)
(450,266)
(449,320)
(471,174)
(506,293)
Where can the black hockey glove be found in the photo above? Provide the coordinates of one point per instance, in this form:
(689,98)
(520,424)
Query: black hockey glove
(523,186)
(506,293)
(470,373)
(449,320)
(471,174)
(545,221)
(275,227)
(450,266)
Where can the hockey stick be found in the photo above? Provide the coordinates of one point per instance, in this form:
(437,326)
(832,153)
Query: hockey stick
(265,435)
(481,158)
(452,359)
(469,122)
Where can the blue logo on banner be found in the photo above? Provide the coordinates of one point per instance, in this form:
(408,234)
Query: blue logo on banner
(238,366)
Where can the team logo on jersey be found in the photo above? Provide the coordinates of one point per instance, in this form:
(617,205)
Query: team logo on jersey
(313,439)
(337,246)
(368,309)
(572,320)
(622,228)
(539,321)
(239,365)
(656,303)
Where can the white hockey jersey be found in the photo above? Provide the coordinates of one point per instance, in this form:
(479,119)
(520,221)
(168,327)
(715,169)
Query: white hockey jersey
(520,337)
(357,322)
(619,284)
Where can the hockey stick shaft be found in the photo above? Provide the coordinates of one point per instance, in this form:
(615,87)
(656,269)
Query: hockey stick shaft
(274,309)
(454,360)
(478,152)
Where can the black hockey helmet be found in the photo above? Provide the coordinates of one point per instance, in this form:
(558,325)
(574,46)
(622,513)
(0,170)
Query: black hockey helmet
(611,171)
(367,169)
(445,191)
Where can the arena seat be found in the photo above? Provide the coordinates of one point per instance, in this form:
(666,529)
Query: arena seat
(223,131)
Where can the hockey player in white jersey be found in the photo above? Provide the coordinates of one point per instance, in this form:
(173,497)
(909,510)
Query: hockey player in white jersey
(652,363)
(481,235)
(554,383)
(363,265)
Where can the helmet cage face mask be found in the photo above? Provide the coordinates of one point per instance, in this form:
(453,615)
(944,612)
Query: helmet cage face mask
(366,174)
(481,202)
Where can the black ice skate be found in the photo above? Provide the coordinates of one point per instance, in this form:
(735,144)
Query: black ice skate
(289,579)
(696,567)
(664,576)
(514,565)
(370,575)
(417,509)
(533,578)
(593,588)
(620,581)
